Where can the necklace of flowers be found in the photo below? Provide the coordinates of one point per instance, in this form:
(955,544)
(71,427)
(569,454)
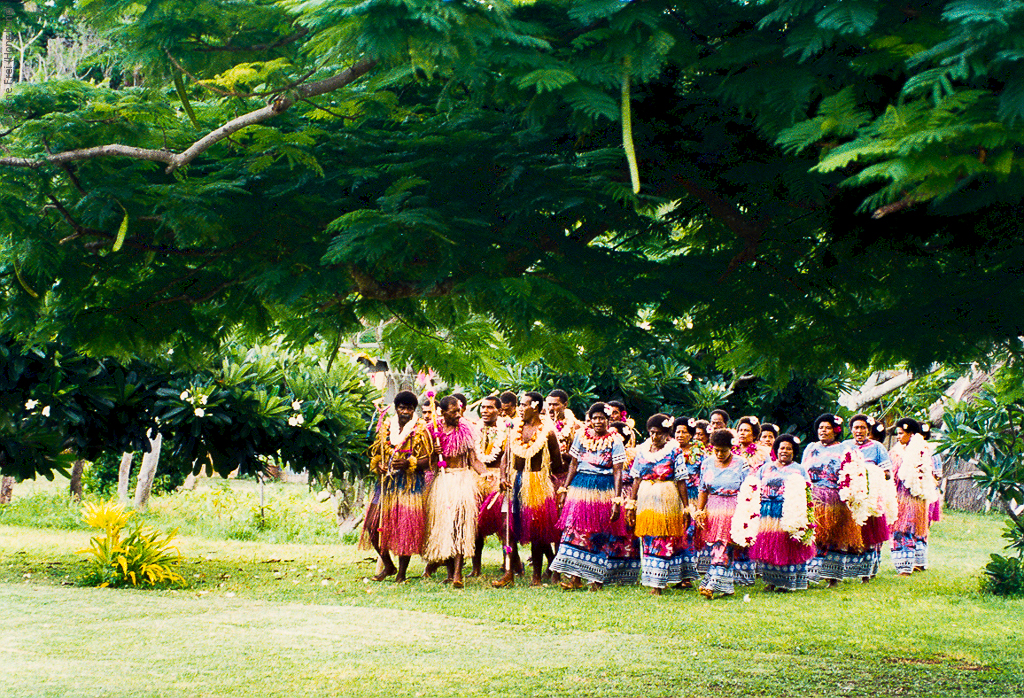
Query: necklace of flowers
(746,518)
(528,449)
(647,447)
(398,435)
(797,508)
(915,470)
(486,443)
(594,443)
(853,485)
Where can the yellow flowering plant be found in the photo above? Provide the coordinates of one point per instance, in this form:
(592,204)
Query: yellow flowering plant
(128,552)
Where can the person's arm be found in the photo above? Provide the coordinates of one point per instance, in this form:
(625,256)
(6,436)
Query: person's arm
(560,495)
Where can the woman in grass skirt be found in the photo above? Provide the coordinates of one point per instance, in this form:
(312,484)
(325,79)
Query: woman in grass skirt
(915,492)
(881,493)
(591,503)
(721,475)
(835,486)
(658,504)
(784,540)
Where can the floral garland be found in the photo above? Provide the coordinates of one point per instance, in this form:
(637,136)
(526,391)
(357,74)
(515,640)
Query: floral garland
(876,490)
(527,450)
(653,456)
(746,518)
(596,444)
(399,435)
(853,485)
(797,511)
(490,443)
(915,470)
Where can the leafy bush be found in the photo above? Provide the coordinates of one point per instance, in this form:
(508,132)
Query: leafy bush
(1005,576)
(144,557)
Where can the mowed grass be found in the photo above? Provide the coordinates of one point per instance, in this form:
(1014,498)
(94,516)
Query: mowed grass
(273,619)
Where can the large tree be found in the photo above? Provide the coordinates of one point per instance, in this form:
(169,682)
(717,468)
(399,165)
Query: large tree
(795,183)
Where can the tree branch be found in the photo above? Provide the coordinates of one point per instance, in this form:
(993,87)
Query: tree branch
(173,160)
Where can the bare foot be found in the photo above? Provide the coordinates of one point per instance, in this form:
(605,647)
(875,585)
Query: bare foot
(596,586)
(508,579)
(832,583)
(537,581)
(457,583)
(387,572)
(400,579)
(707,593)
(475,572)
(655,591)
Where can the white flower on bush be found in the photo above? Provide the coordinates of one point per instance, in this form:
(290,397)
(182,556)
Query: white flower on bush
(202,399)
(31,404)
(297,405)
(45,411)
(296,420)
(185,395)
(200,412)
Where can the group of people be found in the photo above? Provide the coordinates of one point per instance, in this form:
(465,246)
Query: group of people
(695,503)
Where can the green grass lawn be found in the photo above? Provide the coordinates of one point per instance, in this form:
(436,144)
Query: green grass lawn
(262,618)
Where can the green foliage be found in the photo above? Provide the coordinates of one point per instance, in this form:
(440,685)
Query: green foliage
(822,183)
(1005,576)
(142,557)
(989,430)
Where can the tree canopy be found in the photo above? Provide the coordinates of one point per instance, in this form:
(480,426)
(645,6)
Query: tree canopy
(787,183)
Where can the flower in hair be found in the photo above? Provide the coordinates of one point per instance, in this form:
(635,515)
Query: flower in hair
(667,423)
(838,420)
(608,410)
(626,431)
(753,420)
(796,440)
(691,422)
(871,421)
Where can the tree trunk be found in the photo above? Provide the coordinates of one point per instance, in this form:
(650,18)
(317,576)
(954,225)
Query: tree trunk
(147,472)
(76,480)
(124,475)
(6,489)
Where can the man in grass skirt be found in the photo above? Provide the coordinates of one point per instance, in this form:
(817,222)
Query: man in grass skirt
(395,521)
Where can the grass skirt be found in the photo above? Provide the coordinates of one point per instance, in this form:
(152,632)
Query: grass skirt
(835,527)
(491,519)
(534,510)
(774,546)
(588,506)
(403,524)
(659,511)
(452,509)
(913,514)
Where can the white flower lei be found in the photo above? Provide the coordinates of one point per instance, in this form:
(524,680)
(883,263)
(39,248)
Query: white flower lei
(398,435)
(853,485)
(876,494)
(654,456)
(746,518)
(490,442)
(915,470)
(796,509)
